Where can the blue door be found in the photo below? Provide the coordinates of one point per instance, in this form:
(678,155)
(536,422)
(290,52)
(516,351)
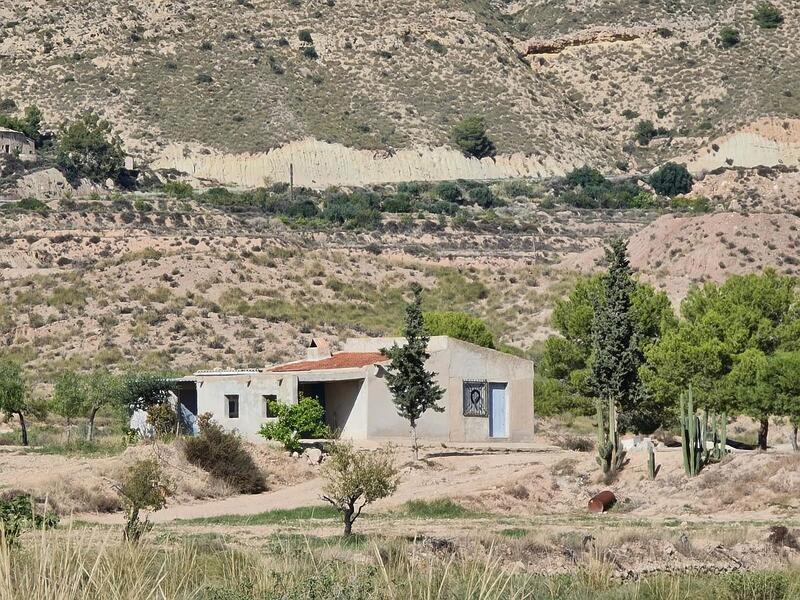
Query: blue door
(498,411)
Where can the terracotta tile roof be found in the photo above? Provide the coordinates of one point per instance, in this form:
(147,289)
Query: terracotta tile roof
(341,360)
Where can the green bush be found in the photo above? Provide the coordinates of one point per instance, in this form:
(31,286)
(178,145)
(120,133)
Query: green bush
(304,420)
(459,325)
(645,132)
(304,35)
(672,179)
(729,37)
(470,136)
(163,419)
(178,189)
(223,455)
(18,512)
(484,197)
(449,192)
(697,204)
(768,16)
(310,52)
(585,177)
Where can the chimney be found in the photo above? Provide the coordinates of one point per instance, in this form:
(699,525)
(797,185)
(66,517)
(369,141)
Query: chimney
(318,349)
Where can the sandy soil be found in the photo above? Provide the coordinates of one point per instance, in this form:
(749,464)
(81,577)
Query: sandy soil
(544,480)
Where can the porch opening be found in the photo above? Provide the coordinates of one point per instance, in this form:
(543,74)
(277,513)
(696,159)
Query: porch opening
(338,399)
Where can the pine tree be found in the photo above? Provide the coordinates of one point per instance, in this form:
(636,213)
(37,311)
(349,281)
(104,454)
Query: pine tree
(616,357)
(413,389)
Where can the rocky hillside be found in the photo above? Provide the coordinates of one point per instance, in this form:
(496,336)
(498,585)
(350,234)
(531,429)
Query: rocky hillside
(562,82)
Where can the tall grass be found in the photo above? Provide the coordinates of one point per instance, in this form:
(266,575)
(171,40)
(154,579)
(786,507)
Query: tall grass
(85,565)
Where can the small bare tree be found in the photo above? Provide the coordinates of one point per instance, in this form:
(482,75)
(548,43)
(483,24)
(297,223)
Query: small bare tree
(355,479)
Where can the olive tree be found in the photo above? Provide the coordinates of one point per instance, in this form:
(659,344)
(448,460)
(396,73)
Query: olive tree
(14,395)
(357,478)
(144,487)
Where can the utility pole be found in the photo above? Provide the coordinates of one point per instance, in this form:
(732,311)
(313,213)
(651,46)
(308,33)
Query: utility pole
(291,182)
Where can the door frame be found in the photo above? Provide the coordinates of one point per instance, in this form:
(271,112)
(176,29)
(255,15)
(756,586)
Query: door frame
(504,386)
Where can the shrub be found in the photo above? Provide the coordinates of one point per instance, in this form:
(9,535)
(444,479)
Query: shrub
(224,456)
(88,148)
(672,179)
(459,325)
(585,177)
(178,189)
(698,204)
(484,197)
(163,419)
(304,420)
(768,16)
(304,35)
(19,512)
(356,479)
(645,132)
(470,136)
(729,37)
(144,487)
(310,52)
(449,192)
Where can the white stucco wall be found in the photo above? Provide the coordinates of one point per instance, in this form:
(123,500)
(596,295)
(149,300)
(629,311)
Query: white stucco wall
(360,405)
(250,387)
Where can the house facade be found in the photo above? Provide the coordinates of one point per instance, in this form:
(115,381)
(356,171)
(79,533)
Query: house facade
(16,143)
(488,394)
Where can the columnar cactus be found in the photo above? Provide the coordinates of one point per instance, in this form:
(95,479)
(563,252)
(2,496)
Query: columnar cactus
(610,454)
(695,436)
(651,462)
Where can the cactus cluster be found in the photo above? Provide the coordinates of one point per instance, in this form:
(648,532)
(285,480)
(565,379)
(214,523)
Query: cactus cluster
(610,454)
(696,435)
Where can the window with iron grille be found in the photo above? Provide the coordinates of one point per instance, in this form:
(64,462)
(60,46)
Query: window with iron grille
(475,402)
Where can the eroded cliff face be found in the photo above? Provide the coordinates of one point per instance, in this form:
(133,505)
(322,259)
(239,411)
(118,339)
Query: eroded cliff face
(319,165)
(768,142)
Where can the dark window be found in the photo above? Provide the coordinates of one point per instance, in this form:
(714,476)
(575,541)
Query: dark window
(232,401)
(268,398)
(475,404)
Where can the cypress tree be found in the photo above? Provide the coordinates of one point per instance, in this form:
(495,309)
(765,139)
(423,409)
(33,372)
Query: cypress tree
(616,357)
(413,389)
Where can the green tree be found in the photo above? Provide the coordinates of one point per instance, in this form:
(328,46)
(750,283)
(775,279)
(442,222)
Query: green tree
(87,147)
(562,383)
(70,397)
(616,356)
(144,487)
(140,391)
(356,479)
(459,325)
(787,384)
(724,346)
(672,179)
(414,390)
(103,389)
(29,124)
(14,394)
(470,136)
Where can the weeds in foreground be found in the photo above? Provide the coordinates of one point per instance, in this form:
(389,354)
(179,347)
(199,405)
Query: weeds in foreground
(84,565)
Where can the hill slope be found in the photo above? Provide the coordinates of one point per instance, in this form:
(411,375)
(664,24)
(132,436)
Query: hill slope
(563,80)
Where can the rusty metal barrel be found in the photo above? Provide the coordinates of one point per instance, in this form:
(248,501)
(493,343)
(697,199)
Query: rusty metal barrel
(602,501)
